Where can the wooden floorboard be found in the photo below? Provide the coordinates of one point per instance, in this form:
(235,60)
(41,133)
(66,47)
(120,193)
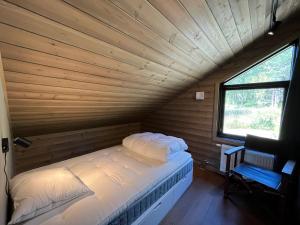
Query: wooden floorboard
(203,204)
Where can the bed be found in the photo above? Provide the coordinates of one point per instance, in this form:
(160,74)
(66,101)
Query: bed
(127,188)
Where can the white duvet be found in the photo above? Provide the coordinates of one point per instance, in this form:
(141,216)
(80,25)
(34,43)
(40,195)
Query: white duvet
(155,145)
(117,177)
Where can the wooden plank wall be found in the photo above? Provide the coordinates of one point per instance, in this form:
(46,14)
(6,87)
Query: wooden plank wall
(5,132)
(189,119)
(77,64)
(51,148)
(196,121)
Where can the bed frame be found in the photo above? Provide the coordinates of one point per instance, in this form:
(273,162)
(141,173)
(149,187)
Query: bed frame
(160,208)
(157,212)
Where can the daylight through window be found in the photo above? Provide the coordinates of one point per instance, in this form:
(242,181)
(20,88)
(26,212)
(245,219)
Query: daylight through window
(252,102)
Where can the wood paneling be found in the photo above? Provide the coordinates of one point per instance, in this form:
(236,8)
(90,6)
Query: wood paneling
(71,64)
(5,132)
(196,121)
(51,148)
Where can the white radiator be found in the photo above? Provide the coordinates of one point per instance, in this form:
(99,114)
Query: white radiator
(261,159)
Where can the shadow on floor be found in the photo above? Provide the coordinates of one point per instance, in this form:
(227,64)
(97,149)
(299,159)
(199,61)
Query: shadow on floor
(203,204)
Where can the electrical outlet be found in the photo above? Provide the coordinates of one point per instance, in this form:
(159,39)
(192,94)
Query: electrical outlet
(199,95)
(5,145)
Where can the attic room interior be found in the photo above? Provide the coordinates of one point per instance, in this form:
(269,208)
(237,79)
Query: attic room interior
(147,112)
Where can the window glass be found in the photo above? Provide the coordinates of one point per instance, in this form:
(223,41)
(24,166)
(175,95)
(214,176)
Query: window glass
(253,111)
(276,68)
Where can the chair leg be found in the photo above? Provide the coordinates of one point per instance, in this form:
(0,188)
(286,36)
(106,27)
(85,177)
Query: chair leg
(282,210)
(226,185)
(227,174)
(246,185)
(284,199)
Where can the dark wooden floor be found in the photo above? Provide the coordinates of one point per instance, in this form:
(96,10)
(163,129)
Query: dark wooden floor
(203,204)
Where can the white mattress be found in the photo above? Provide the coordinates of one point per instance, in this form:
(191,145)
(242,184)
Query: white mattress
(117,177)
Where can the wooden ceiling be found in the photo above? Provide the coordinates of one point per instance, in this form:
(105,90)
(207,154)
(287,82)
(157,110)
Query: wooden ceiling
(84,63)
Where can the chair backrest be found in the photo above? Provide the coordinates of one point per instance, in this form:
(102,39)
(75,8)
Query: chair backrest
(266,145)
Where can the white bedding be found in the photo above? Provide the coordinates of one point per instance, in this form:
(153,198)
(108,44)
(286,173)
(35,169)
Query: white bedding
(117,177)
(154,145)
(41,191)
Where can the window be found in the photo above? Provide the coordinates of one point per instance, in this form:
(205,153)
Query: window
(252,102)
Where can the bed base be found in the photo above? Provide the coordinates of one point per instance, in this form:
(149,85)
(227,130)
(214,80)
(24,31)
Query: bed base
(157,212)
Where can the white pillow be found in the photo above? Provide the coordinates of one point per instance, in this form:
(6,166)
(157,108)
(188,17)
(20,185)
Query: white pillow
(37,192)
(154,145)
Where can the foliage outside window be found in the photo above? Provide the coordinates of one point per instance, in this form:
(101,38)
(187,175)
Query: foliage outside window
(252,102)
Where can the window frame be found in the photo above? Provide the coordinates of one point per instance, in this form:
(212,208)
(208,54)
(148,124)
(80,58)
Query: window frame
(263,85)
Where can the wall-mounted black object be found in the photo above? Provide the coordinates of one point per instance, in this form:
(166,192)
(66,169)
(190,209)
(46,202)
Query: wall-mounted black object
(274,23)
(23,142)
(5,145)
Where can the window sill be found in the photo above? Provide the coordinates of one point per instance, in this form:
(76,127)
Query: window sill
(228,141)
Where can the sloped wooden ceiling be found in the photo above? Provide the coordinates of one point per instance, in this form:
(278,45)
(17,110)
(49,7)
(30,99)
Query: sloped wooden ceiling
(84,63)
